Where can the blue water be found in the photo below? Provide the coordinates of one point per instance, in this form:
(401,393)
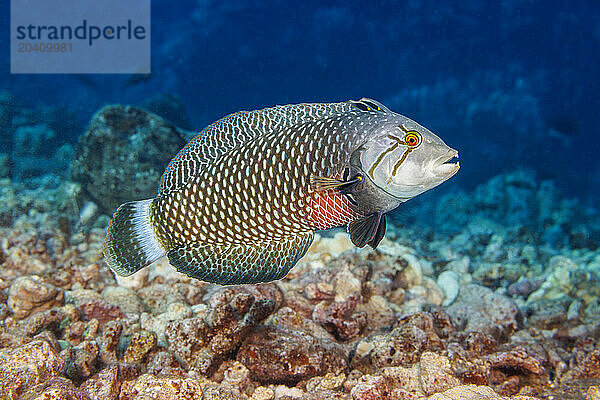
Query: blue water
(510,84)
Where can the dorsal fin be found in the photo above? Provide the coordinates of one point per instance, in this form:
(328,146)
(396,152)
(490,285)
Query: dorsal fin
(235,129)
(366,104)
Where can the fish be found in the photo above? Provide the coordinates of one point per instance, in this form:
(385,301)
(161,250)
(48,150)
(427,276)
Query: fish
(241,202)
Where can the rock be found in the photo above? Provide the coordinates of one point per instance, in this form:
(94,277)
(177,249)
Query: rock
(413,272)
(466,364)
(49,320)
(347,285)
(524,287)
(436,374)
(448,283)
(93,305)
(329,381)
(30,294)
(516,359)
(546,313)
(109,341)
(140,344)
(403,346)
(158,323)
(80,360)
(339,318)
(163,362)
(370,387)
(27,365)
(263,393)
(103,386)
(237,375)
(593,393)
(222,391)
(157,297)
(477,308)
(88,214)
(588,367)
(58,388)
(287,318)
(288,393)
(471,392)
(430,375)
(201,342)
(275,355)
(126,299)
(378,311)
(167,387)
(123,154)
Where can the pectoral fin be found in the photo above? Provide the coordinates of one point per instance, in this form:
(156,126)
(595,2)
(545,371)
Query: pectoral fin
(367,230)
(321,183)
(379,234)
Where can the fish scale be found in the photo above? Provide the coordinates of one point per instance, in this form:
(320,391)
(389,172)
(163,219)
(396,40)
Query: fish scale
(260,184)
(236,129)
(240,203)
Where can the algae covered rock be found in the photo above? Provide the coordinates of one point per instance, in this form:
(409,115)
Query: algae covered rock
(200,343)
(162,387)
(477,308)
(403,346)
(29,294)
(27,365)
(123,154)
(275,355)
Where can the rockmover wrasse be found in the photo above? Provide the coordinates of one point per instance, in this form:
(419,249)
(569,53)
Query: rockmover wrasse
(240,202)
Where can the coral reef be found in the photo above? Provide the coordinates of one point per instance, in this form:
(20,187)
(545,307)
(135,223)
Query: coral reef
(112,140)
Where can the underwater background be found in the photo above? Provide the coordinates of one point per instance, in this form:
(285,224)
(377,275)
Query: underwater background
(485,286)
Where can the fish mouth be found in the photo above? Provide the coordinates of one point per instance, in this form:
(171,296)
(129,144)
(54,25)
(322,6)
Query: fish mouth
(446,165)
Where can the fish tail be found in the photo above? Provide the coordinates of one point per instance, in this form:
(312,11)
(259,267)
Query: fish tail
(131,243)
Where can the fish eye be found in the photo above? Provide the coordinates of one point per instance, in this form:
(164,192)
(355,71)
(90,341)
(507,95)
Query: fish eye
(412,139)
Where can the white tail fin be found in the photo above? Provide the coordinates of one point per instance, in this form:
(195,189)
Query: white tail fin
(131,243)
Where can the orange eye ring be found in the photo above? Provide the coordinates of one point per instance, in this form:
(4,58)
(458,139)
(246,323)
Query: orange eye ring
(412,139)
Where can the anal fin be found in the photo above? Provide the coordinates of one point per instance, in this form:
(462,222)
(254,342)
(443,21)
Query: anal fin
(240,263)
(367,230)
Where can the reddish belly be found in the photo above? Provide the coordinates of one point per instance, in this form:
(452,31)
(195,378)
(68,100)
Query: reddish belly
(329,210)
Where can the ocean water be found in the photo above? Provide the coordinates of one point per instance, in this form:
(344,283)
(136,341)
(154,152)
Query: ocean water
(512,85)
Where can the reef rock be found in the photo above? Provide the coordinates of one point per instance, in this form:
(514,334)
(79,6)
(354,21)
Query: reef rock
(430,375)
(123,154)
(162,388)
(30,294)
(477,308)
(93,305)
(27,365)
(275,355)
(105,385)
(200,343)
(403,346)
(58,388)
(473,392)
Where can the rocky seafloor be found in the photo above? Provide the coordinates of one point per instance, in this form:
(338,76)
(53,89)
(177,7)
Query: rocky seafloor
(489,294)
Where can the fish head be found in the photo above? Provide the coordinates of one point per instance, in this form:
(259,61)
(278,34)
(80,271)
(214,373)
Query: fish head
(406,159)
